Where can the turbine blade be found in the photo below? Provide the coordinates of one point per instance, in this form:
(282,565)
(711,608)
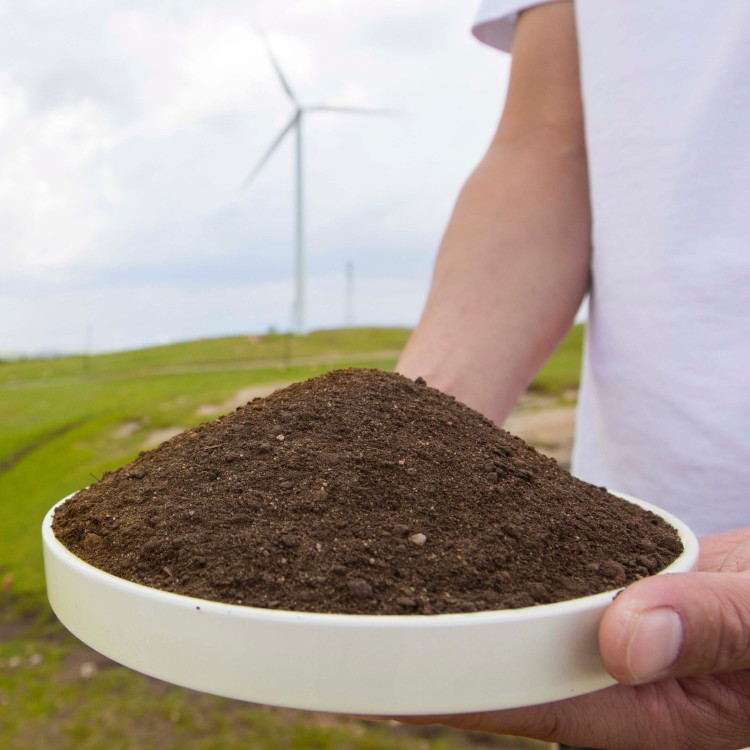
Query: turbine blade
(353,110)
(279,138)
(274,62)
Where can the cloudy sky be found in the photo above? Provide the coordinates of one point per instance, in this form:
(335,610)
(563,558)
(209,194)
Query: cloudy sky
(127,127)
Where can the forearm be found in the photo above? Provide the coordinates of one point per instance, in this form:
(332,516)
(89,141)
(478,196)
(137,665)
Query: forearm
(514,264)
(510,275)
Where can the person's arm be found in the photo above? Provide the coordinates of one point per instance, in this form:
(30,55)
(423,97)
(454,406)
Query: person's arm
(514,263)
(511,272)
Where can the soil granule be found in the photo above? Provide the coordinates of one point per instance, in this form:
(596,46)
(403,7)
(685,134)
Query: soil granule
(361,491)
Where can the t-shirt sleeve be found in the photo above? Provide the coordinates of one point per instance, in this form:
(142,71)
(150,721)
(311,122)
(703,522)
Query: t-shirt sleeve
(496,20)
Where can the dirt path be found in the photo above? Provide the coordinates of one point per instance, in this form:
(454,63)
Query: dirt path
(549,430)
(240,398)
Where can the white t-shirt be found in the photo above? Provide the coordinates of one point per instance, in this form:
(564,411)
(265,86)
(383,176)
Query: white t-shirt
(664,408)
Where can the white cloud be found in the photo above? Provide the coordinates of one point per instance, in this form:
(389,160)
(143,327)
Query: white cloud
(126,128)
(49,212)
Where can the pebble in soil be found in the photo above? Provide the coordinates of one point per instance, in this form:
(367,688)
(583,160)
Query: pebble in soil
(361,491)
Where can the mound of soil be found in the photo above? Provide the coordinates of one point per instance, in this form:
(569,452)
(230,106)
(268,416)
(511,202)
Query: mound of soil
(361,491)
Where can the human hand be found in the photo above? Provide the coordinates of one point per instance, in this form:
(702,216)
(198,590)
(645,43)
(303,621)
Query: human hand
(691,632)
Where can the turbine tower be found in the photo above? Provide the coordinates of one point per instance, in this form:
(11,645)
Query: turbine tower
(295,124)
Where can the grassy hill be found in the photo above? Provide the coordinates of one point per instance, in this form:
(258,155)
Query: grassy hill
(64,421)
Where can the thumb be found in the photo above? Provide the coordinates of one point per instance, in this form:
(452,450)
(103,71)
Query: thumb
(678,625)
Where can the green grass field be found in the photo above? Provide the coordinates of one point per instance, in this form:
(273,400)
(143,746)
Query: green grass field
(64,421)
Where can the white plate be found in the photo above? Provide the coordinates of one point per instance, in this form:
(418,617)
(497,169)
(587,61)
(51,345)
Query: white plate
(369,664)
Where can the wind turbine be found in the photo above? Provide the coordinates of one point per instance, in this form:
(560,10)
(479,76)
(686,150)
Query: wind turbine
(295,124)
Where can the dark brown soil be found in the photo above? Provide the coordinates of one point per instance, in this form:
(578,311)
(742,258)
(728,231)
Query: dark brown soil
(361,492)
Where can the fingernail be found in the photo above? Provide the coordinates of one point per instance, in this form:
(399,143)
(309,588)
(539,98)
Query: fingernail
(655,644)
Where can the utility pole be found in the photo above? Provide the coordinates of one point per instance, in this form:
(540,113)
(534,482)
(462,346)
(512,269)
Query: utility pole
(349,294)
